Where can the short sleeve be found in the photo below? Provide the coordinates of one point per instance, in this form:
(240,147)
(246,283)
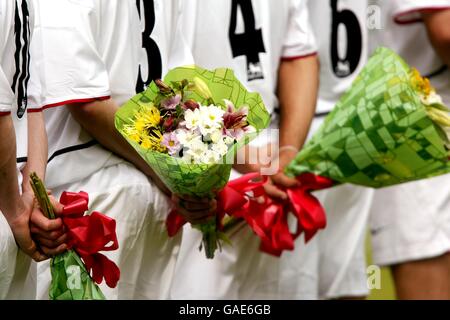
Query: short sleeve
(70,66)
(410,11)
(299,41)
(6,93)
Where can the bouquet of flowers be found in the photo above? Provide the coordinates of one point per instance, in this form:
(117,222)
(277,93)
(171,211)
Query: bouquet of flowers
(188,128)
(71,279)
(391,127)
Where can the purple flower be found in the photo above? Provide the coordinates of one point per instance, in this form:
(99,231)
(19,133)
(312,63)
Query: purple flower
(171,142)
(171,103)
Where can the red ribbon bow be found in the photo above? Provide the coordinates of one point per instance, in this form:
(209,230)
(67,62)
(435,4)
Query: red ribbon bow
(270,220)
(232,200)
(88,235)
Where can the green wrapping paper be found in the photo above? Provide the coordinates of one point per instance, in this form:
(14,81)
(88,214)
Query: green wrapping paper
(379,134)
(70,279)
(201,180)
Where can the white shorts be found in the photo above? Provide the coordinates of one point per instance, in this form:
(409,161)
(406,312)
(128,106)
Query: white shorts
(411,221)
(146,255)
(17,272)
(337,266)
(331,265)
(342,262)
(240,272)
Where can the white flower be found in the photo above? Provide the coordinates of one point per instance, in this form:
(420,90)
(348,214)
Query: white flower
(211,119)
(432,98)
(216,136)
(211,157)
(228,140)
(220,148)
(192,119)
(196,149)
(185,137)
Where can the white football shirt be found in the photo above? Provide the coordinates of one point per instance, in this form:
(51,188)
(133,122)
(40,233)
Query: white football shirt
(96,49)
(16,22)
(403,31)
(342,37)
(250,37)
(7,55)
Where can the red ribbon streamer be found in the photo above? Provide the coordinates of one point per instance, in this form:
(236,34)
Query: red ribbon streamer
(232,199)
(90,234)
(268,218)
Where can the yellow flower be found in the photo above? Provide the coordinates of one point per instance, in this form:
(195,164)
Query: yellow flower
(202,88)
(152,140)
(148,116)
(435,108)
(147,143)
(420,83)
(132,133)
(140,124)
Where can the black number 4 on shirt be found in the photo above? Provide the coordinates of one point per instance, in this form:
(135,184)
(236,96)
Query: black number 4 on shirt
(250,43)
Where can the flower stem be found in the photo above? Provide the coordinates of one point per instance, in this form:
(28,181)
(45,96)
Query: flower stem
(40,192)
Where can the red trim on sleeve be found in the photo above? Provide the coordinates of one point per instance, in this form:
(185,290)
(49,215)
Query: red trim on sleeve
(299,57)
(398,17)
(5,113)
(62,103)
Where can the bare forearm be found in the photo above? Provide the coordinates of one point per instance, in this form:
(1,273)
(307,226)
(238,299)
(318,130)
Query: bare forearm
(9,189)
(37,149)
(438,27)
(297,92)
(97,118)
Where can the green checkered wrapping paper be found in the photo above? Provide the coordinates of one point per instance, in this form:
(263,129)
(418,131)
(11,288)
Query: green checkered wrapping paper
(197,179)
(70,279)
(379,134)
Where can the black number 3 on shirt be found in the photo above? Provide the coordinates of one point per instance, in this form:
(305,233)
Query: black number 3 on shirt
(154,61)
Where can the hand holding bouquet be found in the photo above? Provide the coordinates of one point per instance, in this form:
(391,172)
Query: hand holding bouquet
(391,127)
(71,279)
(188,129)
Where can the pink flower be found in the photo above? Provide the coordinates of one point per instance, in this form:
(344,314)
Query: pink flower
(171,103)
(235,120)
(171,142)
(236,134)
